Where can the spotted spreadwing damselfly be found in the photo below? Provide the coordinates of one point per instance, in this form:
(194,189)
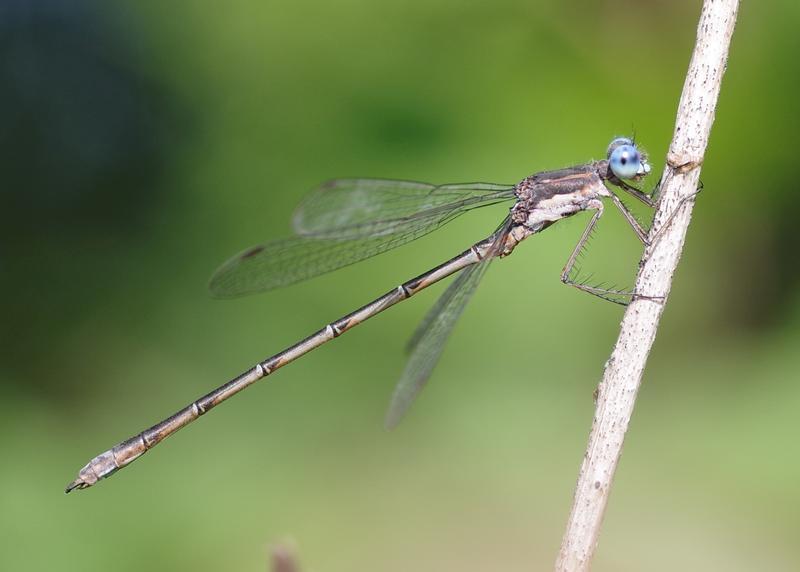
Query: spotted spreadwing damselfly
(348,220)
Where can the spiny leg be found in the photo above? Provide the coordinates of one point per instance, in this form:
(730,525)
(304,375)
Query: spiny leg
(612,295)
(652,240)
(634,192)
(632,221)
(648,200)
(621,297)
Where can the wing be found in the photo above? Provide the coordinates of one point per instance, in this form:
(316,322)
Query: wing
(429,340)
(349,208)
(327,248)
(283,262)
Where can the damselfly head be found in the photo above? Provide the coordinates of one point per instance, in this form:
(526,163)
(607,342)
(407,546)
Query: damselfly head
(625,160)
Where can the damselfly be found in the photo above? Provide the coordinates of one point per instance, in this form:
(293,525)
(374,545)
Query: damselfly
(348,220)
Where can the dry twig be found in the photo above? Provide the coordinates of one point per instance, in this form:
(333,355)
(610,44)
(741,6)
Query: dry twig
(283,559)
(623,372)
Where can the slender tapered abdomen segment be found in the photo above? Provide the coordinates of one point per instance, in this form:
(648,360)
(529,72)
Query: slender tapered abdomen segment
(107,463)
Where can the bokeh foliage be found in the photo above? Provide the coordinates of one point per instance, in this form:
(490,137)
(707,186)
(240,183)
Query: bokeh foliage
(145,142)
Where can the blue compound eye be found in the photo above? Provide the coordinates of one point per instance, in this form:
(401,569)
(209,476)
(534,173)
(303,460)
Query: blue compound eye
(625,160)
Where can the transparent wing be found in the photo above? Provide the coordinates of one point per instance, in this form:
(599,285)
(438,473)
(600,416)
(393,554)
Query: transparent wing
(349,208)
(429,339)
(283,262)
(429,342)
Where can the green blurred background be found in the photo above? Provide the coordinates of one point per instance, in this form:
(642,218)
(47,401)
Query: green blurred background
(145,142)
